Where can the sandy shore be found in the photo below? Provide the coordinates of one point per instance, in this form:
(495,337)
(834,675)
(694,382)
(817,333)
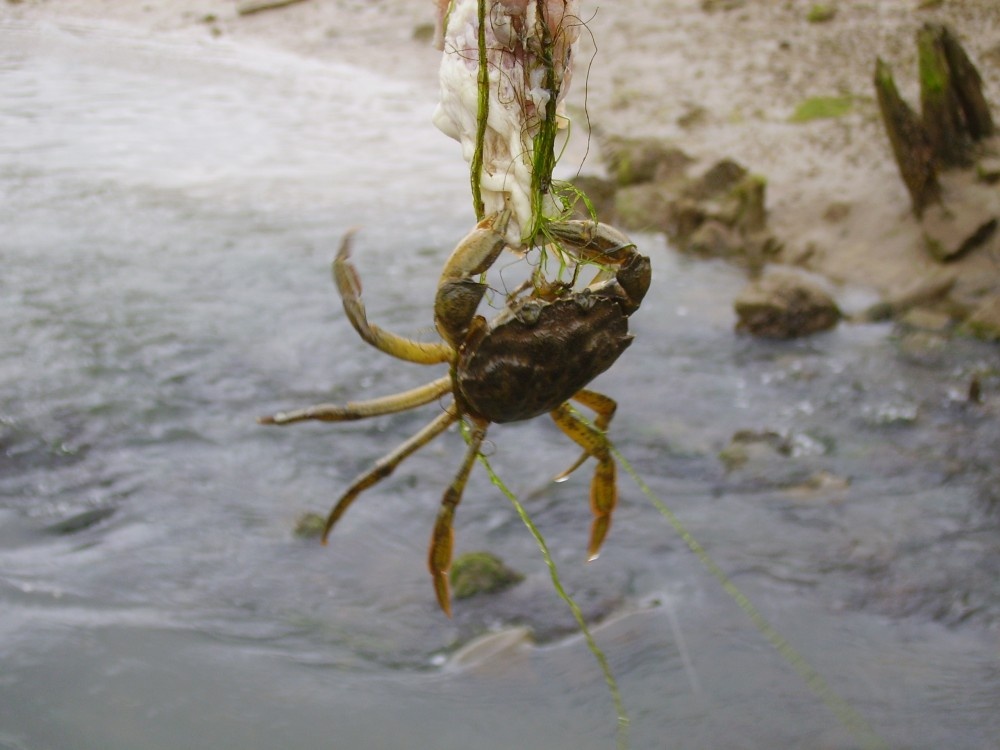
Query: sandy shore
(718,83)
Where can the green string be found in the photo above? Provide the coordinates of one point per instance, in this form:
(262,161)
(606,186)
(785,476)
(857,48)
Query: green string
(623,720)
(851,719)
(544,156)
(482,115)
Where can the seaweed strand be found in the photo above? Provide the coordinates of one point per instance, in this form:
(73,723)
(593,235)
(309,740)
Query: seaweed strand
(609,678)
(543,158)
(482,115)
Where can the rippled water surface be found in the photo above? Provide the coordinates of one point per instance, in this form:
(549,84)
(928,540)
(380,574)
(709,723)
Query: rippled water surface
(170,210)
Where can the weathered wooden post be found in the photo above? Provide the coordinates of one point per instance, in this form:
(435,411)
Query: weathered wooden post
(911,145)
(954,114)
(939,105)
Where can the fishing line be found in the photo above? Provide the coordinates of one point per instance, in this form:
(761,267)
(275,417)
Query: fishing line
(602,661)
(854,722)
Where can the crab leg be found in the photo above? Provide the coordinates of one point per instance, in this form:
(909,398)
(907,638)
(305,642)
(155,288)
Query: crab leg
(348,282)
(593,240)
(443,536)
(603,487)
(388,463)
(363,409)
(604,407)
(605,245)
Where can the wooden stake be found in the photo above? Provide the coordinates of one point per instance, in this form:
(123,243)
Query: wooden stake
(939,103)
(910,143)
(968,87)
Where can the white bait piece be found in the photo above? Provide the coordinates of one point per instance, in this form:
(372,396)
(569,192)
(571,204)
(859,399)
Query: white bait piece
(518,32)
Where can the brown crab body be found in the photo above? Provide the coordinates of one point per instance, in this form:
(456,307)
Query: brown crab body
(543,349)
(540,357)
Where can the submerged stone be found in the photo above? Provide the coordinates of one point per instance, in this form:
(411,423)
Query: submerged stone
(80,521)
(310,525)
(481,573)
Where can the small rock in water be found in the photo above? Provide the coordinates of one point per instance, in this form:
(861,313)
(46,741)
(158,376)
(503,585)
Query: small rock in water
(819,483)
(310,525)
(754,445)
(481,573)
(80,521)
(785,304)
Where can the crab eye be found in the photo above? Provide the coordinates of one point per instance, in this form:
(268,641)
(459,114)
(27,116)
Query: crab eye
(530,312)
(584,300)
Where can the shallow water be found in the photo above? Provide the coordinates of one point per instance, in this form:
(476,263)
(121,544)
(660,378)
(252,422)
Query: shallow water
(170,210)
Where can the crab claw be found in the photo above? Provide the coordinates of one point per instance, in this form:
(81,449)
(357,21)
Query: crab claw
(603,499)
(458,295)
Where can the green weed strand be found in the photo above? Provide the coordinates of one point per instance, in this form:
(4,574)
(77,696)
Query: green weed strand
(609,678)
(482,115)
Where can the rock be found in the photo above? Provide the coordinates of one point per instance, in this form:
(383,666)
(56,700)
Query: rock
(683,217)
(713,239)
(493,649)
(634,160)
(720,177)
(951,232)
(988,170)
(481,573)
(923,292)
(310,525)
(80,522)
(922,319)
(645,207)
(785,304)
(820,483)
(984,322)
(747,445)
(743,206)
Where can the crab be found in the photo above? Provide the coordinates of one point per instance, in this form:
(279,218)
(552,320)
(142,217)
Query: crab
(538,354)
